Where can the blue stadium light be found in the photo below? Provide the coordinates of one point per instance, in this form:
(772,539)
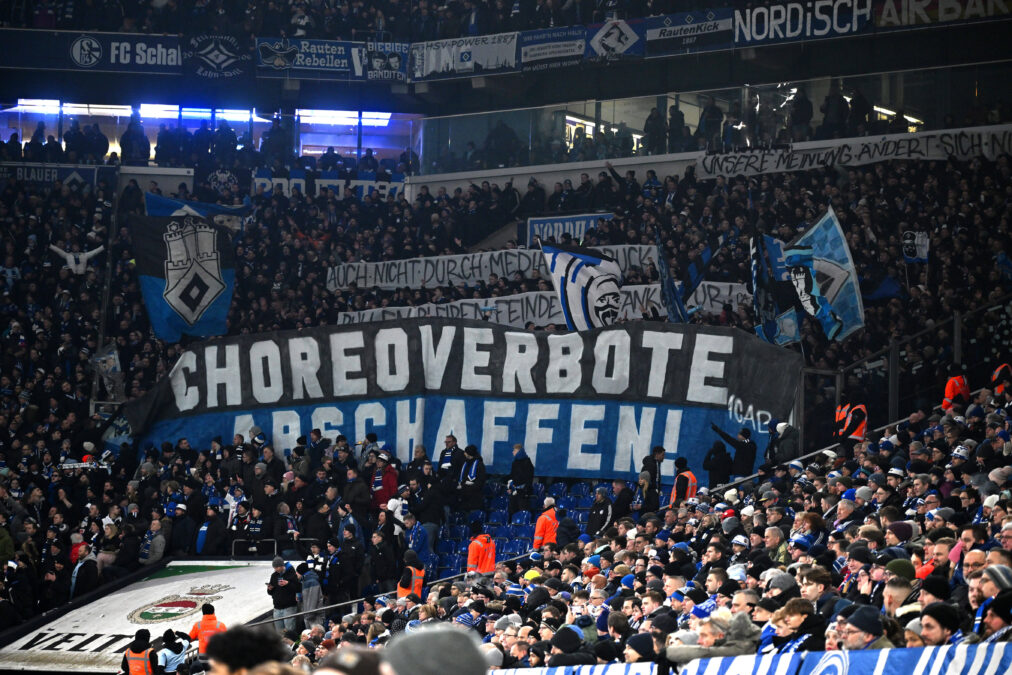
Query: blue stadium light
(232,115)
(159,112)
(44,106)
(343,117)
(197,113)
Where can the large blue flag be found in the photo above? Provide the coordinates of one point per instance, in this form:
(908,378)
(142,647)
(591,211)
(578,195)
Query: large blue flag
(773,300)
(186,268)
(587,283)
(801,265)
(677,313)
(833,274)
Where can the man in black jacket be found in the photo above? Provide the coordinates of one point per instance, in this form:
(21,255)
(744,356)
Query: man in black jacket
(211,539)
(384,566)
(622,502)
(652,464)
(744,450)
(521,479)
(284,588)
(600,516)
(717,464)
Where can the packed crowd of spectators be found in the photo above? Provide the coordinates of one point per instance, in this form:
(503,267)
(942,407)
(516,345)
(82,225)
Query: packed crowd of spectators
(902,539)
(53,269)
(402,20)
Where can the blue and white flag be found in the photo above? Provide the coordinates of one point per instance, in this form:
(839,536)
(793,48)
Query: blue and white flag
(767,664)
(587,283)
(833,273)
(773,300)
(801,267)
(232,217)
(186,267)
(677,313)
(915,247)
(976,659)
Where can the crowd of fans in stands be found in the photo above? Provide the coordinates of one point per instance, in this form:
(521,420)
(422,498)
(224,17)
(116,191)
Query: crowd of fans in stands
(402,20)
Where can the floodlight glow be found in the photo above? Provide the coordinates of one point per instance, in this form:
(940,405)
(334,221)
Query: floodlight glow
(159,112)
(343,118)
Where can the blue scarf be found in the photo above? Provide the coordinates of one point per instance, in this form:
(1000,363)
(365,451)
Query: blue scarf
(146,544)
(792,646)
(377,480)
(471,472)
(202,536)
(979,616)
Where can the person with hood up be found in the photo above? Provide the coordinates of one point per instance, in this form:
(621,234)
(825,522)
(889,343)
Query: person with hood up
(471,480)
(807,628)
(718,464)
(521,479)
(787,446)
(567,533)
(722,634)
(173,651)
(139,658)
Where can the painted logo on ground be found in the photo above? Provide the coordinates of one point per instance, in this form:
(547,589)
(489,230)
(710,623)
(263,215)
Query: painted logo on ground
(174,607)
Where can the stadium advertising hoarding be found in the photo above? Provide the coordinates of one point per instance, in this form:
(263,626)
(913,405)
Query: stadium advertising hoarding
(903,14)
(989,142)
(90,51)
(468,268)
(92,638)
(791,21)
(585,404)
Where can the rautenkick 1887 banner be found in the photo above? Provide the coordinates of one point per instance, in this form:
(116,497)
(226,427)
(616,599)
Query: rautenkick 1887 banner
(585,404)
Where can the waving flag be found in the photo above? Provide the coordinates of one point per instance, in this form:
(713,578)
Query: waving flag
(232,217)
(587,283)
(677,313)
(186,267)
(772,296)
(915,247)
(831,280)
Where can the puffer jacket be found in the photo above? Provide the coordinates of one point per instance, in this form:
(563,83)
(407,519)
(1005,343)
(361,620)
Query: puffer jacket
(742,638)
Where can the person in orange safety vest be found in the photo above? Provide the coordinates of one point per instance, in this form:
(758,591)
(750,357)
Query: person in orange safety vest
(139,658)
(547,525)
(1001,378)
(957,391)
(480,552)
(207,626)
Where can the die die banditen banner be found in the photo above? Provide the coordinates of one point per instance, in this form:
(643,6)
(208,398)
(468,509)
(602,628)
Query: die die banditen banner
(586,404)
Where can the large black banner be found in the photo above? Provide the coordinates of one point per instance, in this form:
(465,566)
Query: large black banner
(583,404)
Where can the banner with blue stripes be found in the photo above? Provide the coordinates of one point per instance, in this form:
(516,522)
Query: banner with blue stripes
(767,664)
(977,659)
(604,669)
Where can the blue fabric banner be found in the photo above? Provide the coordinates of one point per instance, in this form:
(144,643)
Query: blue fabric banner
(90,51)
(977,659)
(553,227)
(834,272)
(689,32)
(792,21)
(332,60)
(586,404)
(45,176)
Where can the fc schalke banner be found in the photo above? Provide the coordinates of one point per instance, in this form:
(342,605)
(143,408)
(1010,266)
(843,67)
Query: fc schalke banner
(585,404)
(519,310)
(95,52)
(469,268)
(331,60)
(575,226)
(464,57)
(92,638)
(44,176)
(989,142)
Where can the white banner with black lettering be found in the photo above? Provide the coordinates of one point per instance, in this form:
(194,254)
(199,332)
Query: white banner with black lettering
(464,57)
(988,142)
(470,268)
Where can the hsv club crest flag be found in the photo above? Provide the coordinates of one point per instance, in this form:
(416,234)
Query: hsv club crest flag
(587,283)
(186,267)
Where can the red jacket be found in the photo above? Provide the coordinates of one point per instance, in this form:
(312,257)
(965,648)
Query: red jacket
(545,529)
(388,488)
(481,555)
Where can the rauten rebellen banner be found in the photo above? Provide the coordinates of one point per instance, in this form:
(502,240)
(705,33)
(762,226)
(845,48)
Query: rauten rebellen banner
(584,404)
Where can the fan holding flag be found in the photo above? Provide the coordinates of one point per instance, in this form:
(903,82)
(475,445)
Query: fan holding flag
(587,282)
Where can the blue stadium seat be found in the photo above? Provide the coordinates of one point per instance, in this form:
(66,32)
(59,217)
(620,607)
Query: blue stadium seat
(581,516)
(500,503)
(444,559)
(581,489)
(445,533)
(584,503)
(445,546)
(458,518)
(538,489)
(476,516)
(567,503)
(462,532)
(557,489)
(498,517)
(521,518)
(535,503)
(503,531)
(526,533)
(665,496)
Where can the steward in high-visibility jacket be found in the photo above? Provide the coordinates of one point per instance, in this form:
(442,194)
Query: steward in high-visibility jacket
(547,525)
(957,391)
(1000,378)
(413,577)
(205,628)
(686,485)
(139,658)
(851,421)
(481,554)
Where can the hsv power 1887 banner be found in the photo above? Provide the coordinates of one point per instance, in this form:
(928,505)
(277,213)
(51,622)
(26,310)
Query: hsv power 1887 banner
(586,404)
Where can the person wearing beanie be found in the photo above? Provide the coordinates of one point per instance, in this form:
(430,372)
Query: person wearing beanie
(902,567)
(934,588)
(898,533)
(865,630)
(998,619)
(173,651)
(284,588)
(139,658)
(639,647)
(996,578)
(567,648)
(940,625)
(912,634)
(436,651)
